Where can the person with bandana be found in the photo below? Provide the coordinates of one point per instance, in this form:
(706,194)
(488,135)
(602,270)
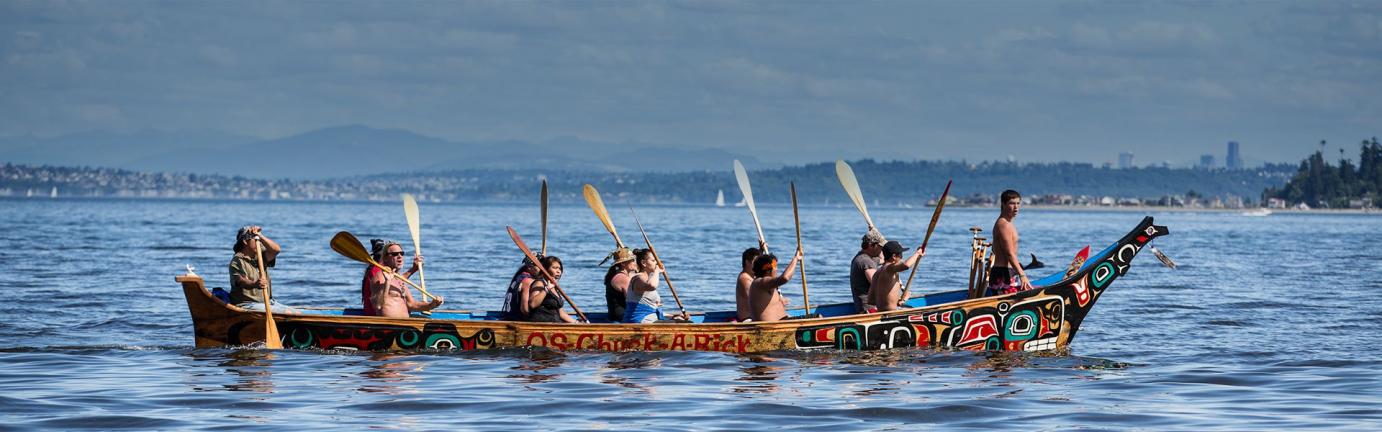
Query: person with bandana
(765,299)
(247,284)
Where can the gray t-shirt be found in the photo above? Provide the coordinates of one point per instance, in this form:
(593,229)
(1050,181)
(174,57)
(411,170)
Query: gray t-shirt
(858,281)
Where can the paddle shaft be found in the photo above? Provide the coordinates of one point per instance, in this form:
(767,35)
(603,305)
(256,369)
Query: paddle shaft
(935,217)
(543,269)
(796,218)
(271,338)
(653,250)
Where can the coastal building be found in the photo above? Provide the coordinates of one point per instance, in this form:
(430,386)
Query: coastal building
(1125,160)
(1233,160)
(1206,161)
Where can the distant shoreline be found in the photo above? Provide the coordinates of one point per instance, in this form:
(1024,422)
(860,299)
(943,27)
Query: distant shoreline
(1047,207)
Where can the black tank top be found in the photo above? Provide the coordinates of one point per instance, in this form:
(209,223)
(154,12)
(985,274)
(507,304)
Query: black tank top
(614,299)
(549,310)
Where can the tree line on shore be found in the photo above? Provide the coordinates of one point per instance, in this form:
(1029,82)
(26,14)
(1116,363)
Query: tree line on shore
(1318,183)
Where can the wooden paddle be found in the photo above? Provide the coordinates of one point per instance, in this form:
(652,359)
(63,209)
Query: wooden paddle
(348,245)
(543,269)
(805,297)
(743,178)
(592,197)
(935,217)
(414,227)
(544,217)
(851,184)
(653,250)
(271,338)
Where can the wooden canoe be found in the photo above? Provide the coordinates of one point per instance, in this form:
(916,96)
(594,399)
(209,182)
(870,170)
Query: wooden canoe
(1045,318)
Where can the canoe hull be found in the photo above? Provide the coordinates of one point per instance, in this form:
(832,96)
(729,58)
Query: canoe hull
(1042,319)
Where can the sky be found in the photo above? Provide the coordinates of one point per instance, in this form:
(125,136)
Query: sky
(795,82)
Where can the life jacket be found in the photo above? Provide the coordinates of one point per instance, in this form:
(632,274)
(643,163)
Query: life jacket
(365,292)
(513,309)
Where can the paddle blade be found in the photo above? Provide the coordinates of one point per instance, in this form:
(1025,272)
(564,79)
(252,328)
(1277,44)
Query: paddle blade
(271,338)
(544,216)
(851,185)
(414,224)
(592,198)
(347,245)
(742,177)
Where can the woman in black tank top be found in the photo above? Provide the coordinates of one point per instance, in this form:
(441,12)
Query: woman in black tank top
(544,304)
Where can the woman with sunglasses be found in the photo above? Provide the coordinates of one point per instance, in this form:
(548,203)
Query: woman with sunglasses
(386,294)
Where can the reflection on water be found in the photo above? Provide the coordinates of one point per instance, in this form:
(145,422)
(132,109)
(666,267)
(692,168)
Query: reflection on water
(759,374)
(536,362)
(252,370)
(386,371)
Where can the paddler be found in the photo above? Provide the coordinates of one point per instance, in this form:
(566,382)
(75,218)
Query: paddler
(617,283)
(863,266)
(885,288)
(1005,261)
(247,283)
(644,304)
(388,294)
(544,304)
(765,299)
(741,285)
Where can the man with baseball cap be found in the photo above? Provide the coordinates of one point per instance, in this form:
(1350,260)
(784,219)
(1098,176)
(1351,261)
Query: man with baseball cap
(862,267)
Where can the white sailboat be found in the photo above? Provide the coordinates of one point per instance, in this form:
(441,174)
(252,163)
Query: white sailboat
(720,198)
(53,193)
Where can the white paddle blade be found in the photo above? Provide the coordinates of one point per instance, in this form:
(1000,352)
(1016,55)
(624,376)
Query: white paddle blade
(743,178)
(851,185)
(414,224)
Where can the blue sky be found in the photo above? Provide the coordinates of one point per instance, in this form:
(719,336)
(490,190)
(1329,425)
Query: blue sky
(786,81)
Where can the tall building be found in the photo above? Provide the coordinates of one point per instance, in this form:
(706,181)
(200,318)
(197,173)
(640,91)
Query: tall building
(1233,160)
(1125,160)
(1207,161)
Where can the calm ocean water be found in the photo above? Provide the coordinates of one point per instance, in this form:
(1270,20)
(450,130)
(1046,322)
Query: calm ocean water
(1258,329)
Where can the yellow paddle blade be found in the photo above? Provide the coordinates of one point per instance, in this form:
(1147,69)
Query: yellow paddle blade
(414,225)
(592,197)
(271,338)
(347,245)
(851,185)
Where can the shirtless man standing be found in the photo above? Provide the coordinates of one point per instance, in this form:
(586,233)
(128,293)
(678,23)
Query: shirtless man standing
(764,297)
(1005,260)
(390,296)
(885,287)
(741,286)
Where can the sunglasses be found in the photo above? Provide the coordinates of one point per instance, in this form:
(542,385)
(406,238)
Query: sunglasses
(394,254)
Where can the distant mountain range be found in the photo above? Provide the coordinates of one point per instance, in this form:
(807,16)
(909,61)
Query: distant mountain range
(351,150)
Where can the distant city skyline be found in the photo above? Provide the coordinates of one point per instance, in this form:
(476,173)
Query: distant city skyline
(786,82)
